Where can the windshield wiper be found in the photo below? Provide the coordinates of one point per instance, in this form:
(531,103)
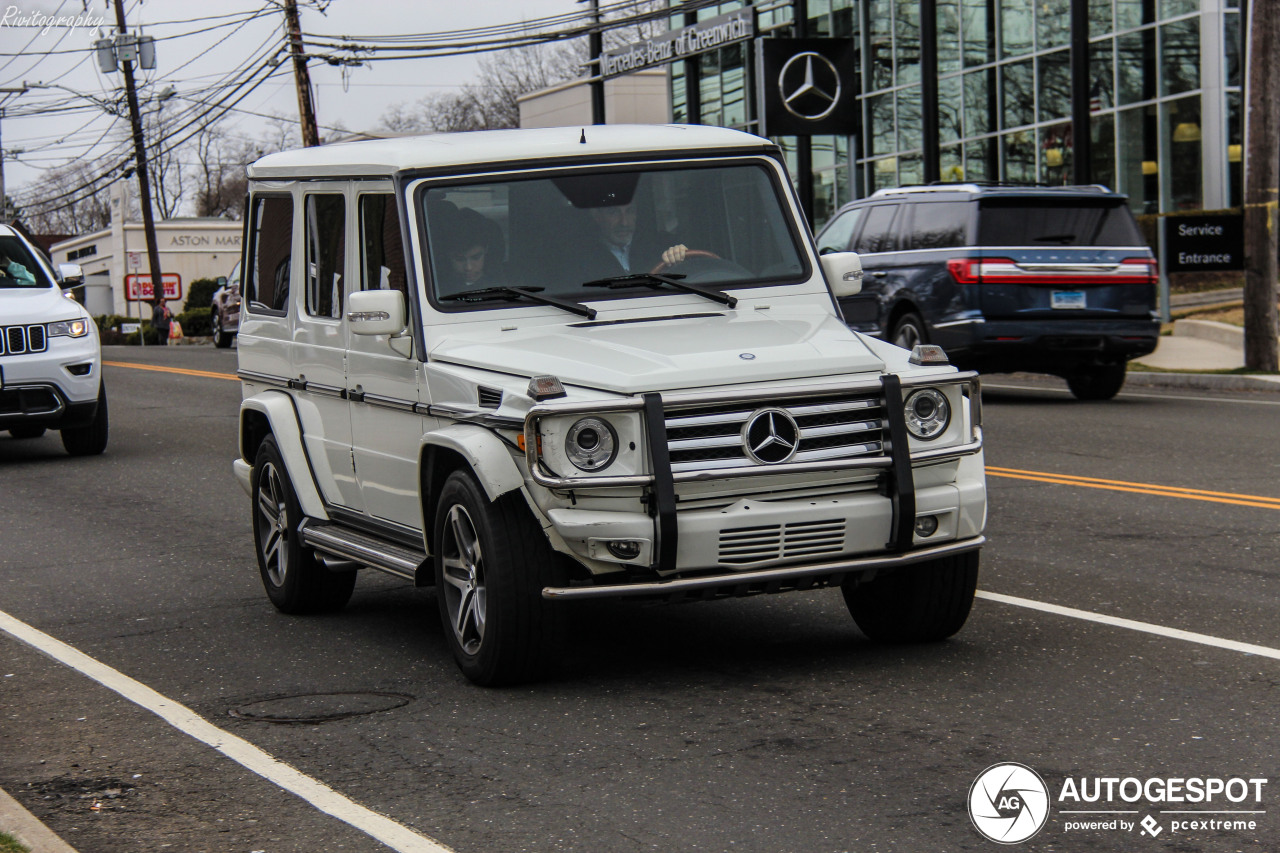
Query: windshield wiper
(531,293)
(654,280)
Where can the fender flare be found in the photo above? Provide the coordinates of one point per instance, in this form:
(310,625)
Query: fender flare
(487,455)
(281,417)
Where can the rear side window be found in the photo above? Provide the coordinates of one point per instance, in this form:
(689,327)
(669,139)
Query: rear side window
(267,279)
(937,225)
(326,253)
(837,235)
(877,235)
(1045,222)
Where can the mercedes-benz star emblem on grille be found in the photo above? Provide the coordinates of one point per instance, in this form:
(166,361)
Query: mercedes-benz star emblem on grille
(812,90)
(771,436)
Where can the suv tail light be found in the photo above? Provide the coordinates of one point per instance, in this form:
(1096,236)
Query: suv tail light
(1008,271)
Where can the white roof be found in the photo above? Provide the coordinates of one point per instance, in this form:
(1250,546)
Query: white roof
(388,156)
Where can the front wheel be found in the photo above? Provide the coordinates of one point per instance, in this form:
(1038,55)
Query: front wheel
(921,603)
(296,582)
(491,563)
(89,440)
(221,339)
(1099,382)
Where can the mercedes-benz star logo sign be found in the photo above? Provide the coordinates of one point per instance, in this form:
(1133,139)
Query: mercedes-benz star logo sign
(810,86)
(1009,803)
(771,436)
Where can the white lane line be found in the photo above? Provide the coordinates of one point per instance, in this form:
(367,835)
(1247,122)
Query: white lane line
(394,835)
(1133,625)
(996,387)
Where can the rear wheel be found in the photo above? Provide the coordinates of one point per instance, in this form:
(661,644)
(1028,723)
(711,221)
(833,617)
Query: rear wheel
(26,431)
(296,582)
(491,563)
(92,439)
(922,603)
(1098,382)
(908,331)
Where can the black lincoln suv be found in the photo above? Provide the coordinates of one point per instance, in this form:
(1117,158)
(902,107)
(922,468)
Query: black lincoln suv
(1051,280)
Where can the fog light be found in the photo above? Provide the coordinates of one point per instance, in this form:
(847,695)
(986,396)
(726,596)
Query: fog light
(926,525)
(80,369)
(624,549)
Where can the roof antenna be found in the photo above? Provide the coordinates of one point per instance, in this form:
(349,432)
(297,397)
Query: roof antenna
(583,138)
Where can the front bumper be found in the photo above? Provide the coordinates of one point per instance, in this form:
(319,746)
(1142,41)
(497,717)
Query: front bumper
(766,581)
(687,532)
(56,389)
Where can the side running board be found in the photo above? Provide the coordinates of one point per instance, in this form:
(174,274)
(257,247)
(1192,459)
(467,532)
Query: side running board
(345,543)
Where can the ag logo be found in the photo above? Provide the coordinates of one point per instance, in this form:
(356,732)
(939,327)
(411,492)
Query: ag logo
(810,86)
(1008,803)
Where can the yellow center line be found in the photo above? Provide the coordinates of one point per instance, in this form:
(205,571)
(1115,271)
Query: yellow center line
(1137,488)
(184,371)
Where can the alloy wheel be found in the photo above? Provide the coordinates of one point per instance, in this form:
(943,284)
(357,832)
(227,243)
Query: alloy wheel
(464,591)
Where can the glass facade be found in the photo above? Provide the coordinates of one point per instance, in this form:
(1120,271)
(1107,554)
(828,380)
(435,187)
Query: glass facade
(1164,95)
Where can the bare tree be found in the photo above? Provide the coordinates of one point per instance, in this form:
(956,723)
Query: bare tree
(168,177)
(71,200)
(491,102)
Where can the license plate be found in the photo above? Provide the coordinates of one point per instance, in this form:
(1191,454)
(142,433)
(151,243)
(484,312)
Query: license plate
(1067,299)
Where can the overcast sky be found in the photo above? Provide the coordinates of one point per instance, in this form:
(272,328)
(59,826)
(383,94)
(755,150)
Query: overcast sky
(191,60)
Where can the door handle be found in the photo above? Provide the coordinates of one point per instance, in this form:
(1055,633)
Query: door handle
(879,273)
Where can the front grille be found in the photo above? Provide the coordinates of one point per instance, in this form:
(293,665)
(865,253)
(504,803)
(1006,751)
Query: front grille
(744,545)
(832,428)
(17,340)
(31,400)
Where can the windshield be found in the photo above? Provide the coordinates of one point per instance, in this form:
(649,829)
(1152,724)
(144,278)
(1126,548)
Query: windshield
(1065,222)
(17,267)
(721,226)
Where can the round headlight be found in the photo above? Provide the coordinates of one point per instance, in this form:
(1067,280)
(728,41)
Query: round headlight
(591,444)
(927,413)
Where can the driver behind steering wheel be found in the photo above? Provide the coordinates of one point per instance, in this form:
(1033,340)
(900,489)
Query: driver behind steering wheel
(617,249)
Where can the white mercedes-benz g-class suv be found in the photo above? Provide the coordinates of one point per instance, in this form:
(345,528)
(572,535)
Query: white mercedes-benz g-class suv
(50,359)
(535,366)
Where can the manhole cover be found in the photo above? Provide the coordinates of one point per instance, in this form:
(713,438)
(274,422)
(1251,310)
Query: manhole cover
(320,707)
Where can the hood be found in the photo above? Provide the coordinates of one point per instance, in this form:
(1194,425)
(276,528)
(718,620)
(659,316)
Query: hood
(22,305)
(665,354)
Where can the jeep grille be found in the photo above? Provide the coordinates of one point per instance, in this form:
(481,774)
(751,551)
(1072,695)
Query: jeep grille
(17,340)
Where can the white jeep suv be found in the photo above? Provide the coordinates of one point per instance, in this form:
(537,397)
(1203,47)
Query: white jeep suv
(50,361)
(534,366)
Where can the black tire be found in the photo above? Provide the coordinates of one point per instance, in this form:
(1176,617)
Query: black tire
(25,432)
(221,338)
(1099,382)
(922,603)
(491,562)
(296,582)
(908,331)
(92,439)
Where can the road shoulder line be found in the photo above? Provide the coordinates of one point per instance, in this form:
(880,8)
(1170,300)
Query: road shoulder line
(394,835)
(1133,625)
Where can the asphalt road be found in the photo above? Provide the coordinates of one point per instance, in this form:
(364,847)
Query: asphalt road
(764,724)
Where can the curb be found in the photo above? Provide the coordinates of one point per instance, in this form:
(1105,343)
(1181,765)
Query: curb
(1201,381)
(1211,330)
(27,828)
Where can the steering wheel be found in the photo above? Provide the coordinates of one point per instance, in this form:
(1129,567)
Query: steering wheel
(691,253)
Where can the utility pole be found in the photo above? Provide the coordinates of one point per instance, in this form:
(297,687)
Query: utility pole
(306,112)
(1261,198)
(144,181)
(595,46)
(4,200)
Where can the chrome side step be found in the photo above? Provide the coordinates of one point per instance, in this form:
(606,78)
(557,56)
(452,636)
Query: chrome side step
(345,543)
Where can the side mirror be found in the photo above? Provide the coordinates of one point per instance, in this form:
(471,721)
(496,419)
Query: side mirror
(376,312)
(221,281)
(844,271)
(71,275)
